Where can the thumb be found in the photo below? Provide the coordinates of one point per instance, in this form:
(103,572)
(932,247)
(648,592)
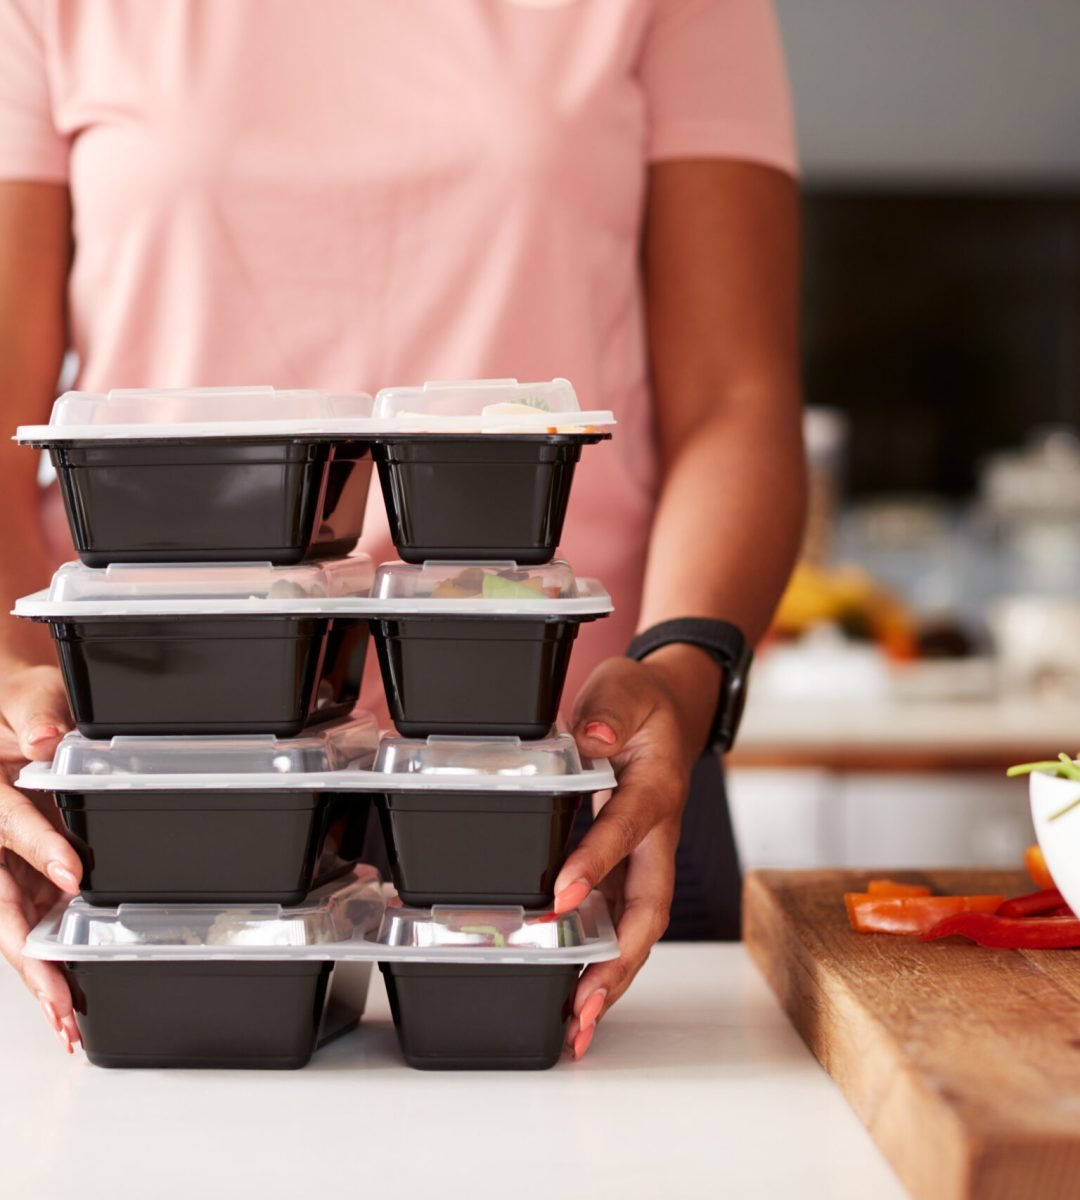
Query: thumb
(610,708)
(34,705)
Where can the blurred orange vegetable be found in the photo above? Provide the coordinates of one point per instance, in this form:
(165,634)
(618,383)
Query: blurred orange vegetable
(1037,868)
(910,914)
(889,887)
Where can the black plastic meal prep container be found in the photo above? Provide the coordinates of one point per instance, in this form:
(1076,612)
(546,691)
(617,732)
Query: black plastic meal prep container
(150,477)
(240,661)
(480,470)
(476,848)
(481,664)
(480,822)
(494,496)
(256,1015)
(255,820)
(188,675)
(466,1017)
(187,847)
(156,986)
(225,500)
(487,989)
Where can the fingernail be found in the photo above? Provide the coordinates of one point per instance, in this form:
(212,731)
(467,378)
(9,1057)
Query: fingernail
(62,877)
(592,1008)
(572,895)
(583,1041)
(65,1041)
(71,1030)
(42,733)
(601,731)
(50,1012)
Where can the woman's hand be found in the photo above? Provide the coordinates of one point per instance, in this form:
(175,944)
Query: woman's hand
(36,861)
(651,719)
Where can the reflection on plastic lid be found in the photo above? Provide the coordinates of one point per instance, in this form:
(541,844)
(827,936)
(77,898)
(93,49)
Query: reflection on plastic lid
(483,582)
(496,406)
(180,406)
(351,576)
(335,747)
(328,916)
(495,928)
(473,397)
(507,757)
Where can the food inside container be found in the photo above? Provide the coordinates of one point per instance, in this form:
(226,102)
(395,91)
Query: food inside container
(479,648)
(210,474)
(208,648)
(481,821)
(206,985)
(212,819)
(487,988)
(480,469)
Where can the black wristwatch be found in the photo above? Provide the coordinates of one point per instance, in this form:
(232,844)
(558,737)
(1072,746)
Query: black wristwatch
(724,642)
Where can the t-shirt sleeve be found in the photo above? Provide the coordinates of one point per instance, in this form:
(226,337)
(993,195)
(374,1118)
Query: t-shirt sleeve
(715,83)
(30,145)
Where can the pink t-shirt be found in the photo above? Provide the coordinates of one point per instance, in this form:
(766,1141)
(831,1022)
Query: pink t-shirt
(350,194)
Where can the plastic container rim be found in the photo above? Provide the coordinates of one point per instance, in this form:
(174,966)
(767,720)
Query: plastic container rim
(370,903)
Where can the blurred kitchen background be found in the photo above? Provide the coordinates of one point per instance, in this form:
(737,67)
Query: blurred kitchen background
(932,633)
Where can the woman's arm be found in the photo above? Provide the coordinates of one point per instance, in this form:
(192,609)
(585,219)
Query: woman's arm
(34,258)
(721,266)
(721,272)
(35,859)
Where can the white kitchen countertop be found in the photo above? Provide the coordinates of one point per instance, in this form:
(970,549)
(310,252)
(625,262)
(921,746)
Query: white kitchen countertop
(696,1085)
(922,723)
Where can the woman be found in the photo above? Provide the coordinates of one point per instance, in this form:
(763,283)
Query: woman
(352,193)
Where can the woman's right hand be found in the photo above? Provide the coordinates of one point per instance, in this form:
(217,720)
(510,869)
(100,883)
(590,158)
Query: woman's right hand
(37,862)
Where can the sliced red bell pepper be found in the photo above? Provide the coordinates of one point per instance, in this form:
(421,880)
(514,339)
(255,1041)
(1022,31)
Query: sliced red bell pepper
(1010,933)
(1037,868)
(1036,904)
(910,914)
(890,887)
(1063,911)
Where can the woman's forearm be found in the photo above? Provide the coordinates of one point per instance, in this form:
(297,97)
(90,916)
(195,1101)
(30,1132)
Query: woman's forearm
(727,529)
(721,271)
(729,519)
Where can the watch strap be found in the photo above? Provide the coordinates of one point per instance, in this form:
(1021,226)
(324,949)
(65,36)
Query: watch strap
(727,645)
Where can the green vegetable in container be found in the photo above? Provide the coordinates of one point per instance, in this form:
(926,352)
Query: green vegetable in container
(498,587)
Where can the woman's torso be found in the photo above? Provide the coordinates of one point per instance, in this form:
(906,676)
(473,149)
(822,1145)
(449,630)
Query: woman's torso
(356,193)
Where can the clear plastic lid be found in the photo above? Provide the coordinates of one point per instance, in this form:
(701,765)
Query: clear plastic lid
(260,761)
(199,412)
(511,934)
(489,764)
(134,589)
(487,588)
(487,406)
(353,920)
(320,928)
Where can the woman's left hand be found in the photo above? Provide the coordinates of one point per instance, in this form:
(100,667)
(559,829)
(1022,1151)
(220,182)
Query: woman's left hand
(651,720)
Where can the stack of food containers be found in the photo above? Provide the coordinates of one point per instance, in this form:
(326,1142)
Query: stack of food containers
(199,637)
(211,620)
(473,634)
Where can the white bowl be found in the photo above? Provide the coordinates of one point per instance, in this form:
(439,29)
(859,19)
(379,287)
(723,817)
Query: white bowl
(1060,839)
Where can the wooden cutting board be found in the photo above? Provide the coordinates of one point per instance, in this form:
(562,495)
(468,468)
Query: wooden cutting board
(963,1063)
